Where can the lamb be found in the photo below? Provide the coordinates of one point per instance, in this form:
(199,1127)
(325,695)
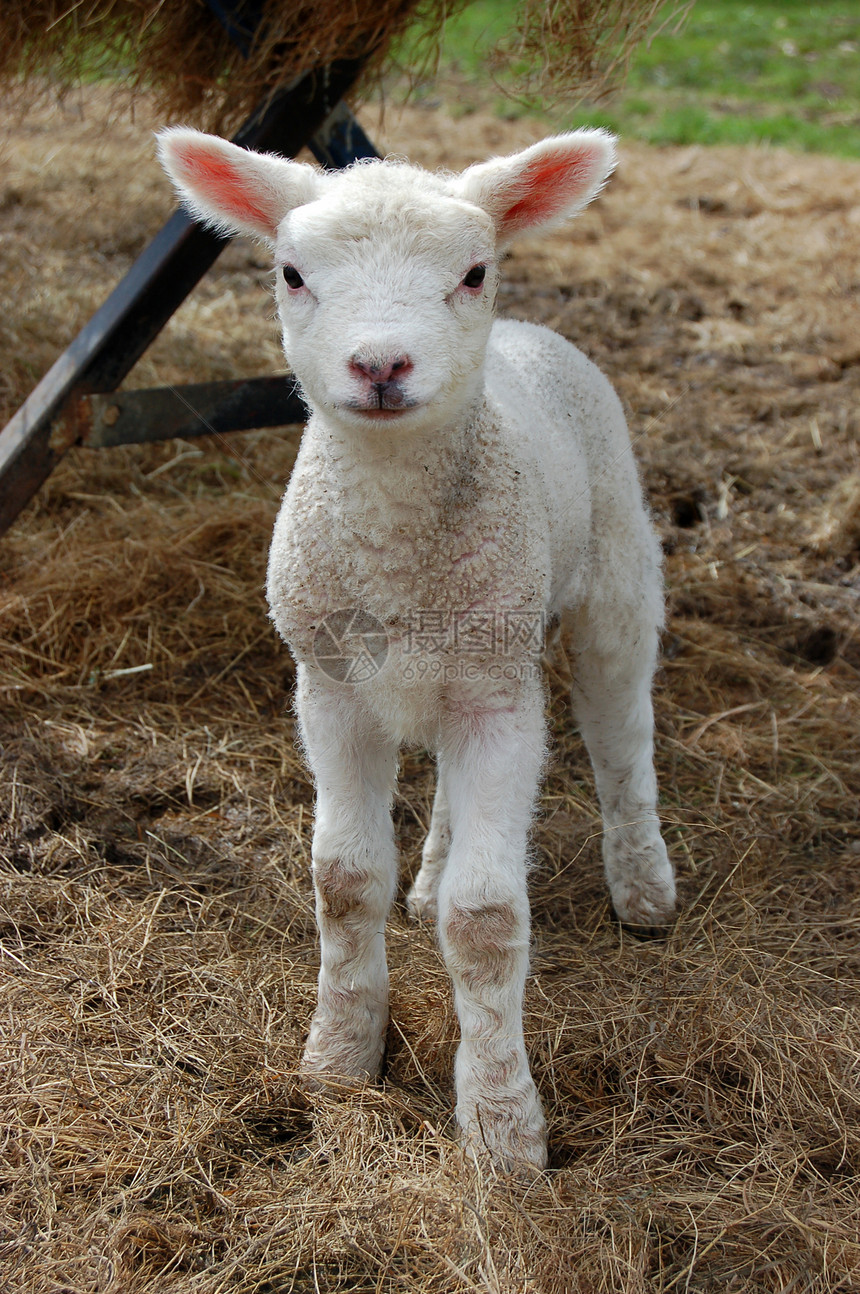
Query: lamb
(463,486)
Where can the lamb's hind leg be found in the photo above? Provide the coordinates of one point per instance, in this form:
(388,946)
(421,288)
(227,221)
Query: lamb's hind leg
(612,660)
(355,872)
(422,897)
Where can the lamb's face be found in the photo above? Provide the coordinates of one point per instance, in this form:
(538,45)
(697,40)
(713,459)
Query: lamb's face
(386,286)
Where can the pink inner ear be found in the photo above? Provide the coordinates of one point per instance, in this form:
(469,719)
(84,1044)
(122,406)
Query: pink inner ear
(546,187)
(223,187)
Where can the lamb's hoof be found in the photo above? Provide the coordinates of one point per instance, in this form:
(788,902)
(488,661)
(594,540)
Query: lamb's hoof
(316,1077)
(340,1058)
(420,905)
(644,933)
(642,885)
(313,1079)
(512,1136)
(644,908)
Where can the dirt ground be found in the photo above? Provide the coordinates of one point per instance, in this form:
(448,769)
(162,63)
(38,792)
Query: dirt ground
(702,1090)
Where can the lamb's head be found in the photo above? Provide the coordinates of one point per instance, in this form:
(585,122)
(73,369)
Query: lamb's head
(386,275)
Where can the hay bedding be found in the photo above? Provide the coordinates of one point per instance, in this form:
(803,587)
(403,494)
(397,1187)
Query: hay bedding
(157,928)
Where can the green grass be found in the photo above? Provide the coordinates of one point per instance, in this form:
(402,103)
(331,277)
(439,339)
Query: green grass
(778,72)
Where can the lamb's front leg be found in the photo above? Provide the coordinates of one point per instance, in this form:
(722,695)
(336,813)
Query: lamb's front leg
(493,762)
(355,872)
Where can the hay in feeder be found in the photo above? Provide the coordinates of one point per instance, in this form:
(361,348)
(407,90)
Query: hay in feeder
(199,72)
(572,50)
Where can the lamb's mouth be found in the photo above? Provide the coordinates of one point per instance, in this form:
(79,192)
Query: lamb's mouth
(383,415)
(381,412)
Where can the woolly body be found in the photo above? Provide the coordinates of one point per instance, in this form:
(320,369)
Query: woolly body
(478,474)
(495,517)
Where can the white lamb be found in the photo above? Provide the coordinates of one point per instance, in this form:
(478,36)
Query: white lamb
(461,486)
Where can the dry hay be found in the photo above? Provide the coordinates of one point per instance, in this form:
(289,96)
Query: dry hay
(200,73)
(157,928)
(565,51)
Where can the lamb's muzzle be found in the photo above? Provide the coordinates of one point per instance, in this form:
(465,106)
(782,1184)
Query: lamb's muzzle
(381,374)
(380,382)
(501,495)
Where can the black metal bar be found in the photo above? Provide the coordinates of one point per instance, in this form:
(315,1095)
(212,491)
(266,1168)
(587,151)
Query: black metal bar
(239,19)
(105,350)
(199,409)
(341,141)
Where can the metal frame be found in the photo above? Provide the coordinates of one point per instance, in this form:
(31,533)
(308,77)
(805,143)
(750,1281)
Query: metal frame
(67,407)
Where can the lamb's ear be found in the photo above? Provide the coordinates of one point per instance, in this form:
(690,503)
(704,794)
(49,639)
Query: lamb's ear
(542,185)
(232,188)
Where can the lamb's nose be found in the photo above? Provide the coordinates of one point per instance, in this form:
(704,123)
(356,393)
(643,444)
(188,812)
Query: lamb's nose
(379,373)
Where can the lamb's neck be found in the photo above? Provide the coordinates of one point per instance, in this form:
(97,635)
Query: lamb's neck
(405,477)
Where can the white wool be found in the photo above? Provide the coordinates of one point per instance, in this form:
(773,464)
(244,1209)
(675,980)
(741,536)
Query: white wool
(464,483)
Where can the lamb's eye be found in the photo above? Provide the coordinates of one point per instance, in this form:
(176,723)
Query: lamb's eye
(292,278)
(475,277)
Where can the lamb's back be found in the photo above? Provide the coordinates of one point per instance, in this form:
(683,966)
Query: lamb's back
(569,427)
(556,397)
